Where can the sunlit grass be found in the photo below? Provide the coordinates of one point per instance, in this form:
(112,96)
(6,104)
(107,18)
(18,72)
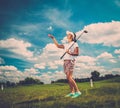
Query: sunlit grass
(104,94)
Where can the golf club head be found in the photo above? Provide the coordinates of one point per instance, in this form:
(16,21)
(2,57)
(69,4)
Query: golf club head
(85,31)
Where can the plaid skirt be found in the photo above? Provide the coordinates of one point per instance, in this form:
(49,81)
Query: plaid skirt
(68,66)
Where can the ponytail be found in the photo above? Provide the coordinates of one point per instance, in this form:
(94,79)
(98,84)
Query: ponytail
(74,38)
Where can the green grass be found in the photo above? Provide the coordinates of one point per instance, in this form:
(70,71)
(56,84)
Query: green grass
(104,94)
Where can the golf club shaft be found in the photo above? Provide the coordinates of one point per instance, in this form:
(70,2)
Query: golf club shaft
(65,52)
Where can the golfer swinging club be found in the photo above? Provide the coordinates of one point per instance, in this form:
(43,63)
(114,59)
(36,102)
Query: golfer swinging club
(69,61)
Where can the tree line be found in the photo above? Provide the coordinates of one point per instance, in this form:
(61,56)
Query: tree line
(26,81)
(95,76)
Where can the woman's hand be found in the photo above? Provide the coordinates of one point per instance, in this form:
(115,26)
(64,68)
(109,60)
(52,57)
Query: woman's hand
(67,51)
(55,41)
(51,36)
(75,53)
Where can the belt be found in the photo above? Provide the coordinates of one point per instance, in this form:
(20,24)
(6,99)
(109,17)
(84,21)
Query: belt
(69,60)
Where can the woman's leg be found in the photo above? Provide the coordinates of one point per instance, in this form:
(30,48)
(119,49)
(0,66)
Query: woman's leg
(68,69)
(72,82)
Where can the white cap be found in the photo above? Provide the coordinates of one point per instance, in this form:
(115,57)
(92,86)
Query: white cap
(68,32)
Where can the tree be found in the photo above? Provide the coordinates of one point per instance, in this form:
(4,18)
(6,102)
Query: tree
(30,80)
(95,75)
(107,76)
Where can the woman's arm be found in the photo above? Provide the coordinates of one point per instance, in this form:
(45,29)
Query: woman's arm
(55,41)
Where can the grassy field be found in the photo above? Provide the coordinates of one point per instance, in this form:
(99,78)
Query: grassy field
(104,94)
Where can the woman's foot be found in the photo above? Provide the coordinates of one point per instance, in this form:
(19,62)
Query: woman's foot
(70,94)
(77,94)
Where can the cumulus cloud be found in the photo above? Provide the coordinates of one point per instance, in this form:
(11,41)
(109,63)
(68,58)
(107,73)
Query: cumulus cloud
(49,58)
(31,72)
(107,57)
(49,76)
(50,53)
(117,51)
(102,33)
(40,65)
(85,65)
(10,73)
(115,71)
(8,68)
(84,71)
(86,59)
(52,65)
(16,46)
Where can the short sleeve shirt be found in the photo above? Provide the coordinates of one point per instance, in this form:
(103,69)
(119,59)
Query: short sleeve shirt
(68,56)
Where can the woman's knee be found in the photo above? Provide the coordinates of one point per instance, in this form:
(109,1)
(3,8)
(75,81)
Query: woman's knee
(68,76)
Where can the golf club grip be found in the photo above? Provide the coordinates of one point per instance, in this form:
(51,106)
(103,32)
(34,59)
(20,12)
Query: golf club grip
(62,55)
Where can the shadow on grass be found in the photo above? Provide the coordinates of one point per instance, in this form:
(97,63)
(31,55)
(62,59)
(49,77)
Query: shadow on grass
(50,98)
(52,102)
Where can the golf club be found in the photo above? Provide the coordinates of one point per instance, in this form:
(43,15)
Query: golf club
(74,42)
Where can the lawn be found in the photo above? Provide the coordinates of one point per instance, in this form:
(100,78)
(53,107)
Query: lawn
(104,94)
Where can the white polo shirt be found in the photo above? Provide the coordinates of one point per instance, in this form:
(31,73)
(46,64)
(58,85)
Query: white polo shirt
(68,56)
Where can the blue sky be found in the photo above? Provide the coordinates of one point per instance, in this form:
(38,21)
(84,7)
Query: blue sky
(26,50)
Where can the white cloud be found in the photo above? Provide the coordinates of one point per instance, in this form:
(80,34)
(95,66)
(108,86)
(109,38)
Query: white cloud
(102,33)
(83,70)
(115,71)
(85,65)
(51,47)
(113,61)
(40,65)
(49,76)
(105,55)
(10,73)
(8,68)
(64,40)
(31,71)
(117,51)
(18,47)
(52,65)
(86,59)
(50,53)
(49,58)
(58,62)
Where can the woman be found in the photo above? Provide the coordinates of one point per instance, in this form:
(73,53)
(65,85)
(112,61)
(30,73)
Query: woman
(69,61)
